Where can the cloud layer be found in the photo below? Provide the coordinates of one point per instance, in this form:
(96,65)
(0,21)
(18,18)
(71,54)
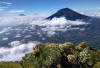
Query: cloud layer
(17,51)
(47,26)
(95,13)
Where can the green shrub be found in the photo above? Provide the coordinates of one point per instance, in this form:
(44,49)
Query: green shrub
(67,47)
(46,58)
(71,58)
(85,55)
(82,45)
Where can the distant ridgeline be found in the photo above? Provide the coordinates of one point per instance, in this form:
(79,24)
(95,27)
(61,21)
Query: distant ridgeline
(58,56)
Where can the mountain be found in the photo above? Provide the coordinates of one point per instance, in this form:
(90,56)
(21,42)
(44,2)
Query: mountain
(22,15)
(68,14)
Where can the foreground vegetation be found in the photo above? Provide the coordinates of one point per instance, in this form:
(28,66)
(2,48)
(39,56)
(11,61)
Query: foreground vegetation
(10,65)
(59,56)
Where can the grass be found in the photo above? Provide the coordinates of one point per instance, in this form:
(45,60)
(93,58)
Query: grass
(10,65)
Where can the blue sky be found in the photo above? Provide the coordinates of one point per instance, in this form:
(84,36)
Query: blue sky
(8,7)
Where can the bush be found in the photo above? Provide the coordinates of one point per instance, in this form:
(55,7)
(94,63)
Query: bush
(35,52)
(44,57)
(71,58)
(67,47)
(60,56)
(85,55)
(82,46)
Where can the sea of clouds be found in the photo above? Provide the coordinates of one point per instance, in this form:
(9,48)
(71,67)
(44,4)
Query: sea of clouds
(18,49)
(49,26)
(92,13)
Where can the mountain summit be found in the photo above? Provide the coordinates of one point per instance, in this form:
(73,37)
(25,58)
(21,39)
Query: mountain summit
(68,14)
(21,14)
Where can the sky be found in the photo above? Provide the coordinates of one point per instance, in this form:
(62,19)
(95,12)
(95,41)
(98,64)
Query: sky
(14,7)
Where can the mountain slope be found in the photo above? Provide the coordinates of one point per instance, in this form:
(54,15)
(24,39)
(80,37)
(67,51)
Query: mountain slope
(68,14)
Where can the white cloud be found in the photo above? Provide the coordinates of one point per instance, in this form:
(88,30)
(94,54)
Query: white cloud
(18,35)
(28,36)
(5,30)
(15,43)
(1,9)
(17,11)
(17,52)
(6,3)
(14,20)
(5,39)
(56,24)
(93,13)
